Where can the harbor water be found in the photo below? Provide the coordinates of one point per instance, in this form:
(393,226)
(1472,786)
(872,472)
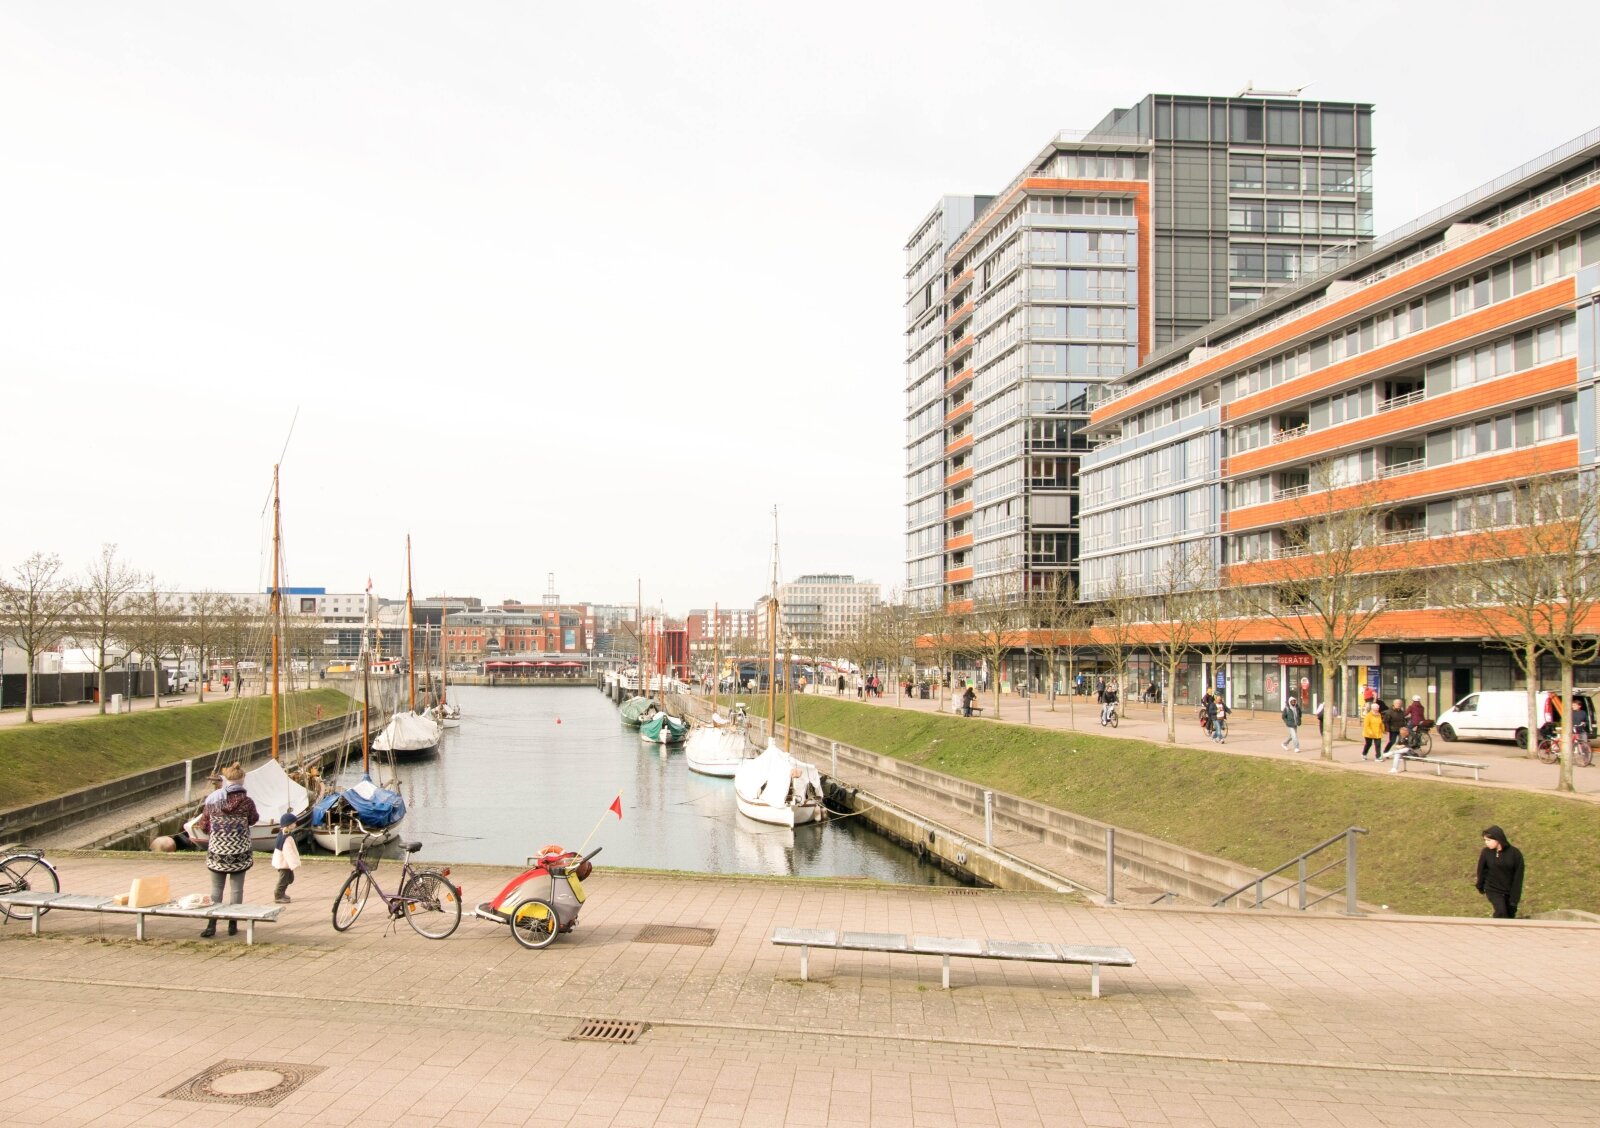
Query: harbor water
(537,765)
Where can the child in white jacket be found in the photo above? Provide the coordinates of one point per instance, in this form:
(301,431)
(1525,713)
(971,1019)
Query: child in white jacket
(285,857)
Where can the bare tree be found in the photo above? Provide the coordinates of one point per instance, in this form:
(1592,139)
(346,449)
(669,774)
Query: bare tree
(1337,579)
(897,632)
(1175,609)
(1061,620)
(944,633)
(37,607)
(1117,628)
(1220,618)
(204,627)
(155,629)
(996,621)
(241,635)
(1527,575)
(102,612)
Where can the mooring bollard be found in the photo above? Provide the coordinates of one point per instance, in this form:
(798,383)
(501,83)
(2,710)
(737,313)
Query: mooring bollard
(988,818)
(1111,865)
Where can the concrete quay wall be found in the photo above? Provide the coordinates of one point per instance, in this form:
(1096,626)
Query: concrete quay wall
(19,824)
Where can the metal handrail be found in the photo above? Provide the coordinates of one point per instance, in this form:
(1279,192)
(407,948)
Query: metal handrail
(1302,876)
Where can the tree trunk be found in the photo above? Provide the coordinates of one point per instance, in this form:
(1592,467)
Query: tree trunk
(1530,663)
(1566,782)
(27,691)
(1327,729)
(155,678)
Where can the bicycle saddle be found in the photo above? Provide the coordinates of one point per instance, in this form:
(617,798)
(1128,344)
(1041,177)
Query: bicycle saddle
(412,847)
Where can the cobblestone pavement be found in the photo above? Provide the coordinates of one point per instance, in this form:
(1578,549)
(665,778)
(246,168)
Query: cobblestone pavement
(1229,1018)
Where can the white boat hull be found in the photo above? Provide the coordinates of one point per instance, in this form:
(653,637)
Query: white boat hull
(796,814)
(343,840)
(714,752)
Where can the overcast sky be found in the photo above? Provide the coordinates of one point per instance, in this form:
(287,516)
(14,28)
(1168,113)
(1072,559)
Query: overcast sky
(579,288)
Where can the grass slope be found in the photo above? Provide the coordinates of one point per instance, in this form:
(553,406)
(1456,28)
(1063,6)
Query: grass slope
(1420,857)
(39,761)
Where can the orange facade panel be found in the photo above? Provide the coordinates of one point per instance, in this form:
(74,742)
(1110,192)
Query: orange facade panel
(1358,302)
(962,475)
(957,412)
(965,309)
(958,575)
(959,509)
(1451,478)
(1501,315)
(1469,403)
(958,542)
(963,343)
(958,379)
(959,445)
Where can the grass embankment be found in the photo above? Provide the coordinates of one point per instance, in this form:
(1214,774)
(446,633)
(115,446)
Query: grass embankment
(42,760)
(1420,856)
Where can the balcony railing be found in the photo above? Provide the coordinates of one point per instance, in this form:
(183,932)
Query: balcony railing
(1397,468)
(1285,492)
(1403,401)
(1288,433)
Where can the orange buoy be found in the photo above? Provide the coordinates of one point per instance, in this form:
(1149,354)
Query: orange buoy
(558,720)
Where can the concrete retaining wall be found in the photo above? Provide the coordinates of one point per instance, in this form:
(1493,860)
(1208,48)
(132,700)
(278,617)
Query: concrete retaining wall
(21,823)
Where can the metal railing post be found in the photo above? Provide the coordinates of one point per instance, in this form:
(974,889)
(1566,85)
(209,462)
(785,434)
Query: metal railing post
(988,819)
(1111,865)
(188,779)
(835,772)
(1350,873)
(1301,883)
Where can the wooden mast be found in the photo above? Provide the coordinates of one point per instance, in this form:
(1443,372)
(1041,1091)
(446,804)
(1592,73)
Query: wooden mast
(366,714)
(716,656)
(411,631)
(772,637)
(277,602)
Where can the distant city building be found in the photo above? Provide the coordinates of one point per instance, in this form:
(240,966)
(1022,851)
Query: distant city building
(515,628)
(1020,307)
(818,609)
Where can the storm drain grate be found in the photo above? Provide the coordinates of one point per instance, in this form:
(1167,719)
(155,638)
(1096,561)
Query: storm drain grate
(613,1030)
(676,934)
(258,1083)
(963,891)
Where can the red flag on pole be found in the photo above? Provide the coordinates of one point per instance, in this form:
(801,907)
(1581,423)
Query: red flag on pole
(616,805)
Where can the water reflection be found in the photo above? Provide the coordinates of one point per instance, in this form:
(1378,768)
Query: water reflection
(530,766)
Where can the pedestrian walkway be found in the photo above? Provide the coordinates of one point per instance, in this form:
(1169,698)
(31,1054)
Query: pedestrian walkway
(1228,1018)
(1261,734)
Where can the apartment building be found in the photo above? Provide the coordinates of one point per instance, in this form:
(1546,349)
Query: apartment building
(1452,360)
(1022,306)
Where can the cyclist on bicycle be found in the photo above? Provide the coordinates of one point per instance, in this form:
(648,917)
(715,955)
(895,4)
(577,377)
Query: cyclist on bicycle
(1108,703)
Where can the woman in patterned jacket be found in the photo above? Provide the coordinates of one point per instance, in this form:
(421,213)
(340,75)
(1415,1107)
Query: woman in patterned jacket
(228,816)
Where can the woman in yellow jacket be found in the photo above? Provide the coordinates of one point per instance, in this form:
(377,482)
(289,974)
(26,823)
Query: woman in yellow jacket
(1372,732)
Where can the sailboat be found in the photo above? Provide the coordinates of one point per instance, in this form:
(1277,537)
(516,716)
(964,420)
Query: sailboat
(774,787)
(448,712)
(409,734)
(717,748)
(661,727)
(341,821)
(271,787)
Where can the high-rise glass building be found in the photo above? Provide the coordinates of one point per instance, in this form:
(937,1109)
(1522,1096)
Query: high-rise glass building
(1022,306)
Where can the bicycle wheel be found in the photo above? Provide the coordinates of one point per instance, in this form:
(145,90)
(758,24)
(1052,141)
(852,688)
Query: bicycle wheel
(1424,744)
(351,900)
(26,873)
(1549,751)
(432,904)
(534,924)
(1113,718)
(1582,754)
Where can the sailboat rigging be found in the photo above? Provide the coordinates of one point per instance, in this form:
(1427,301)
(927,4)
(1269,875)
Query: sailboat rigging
(409,734)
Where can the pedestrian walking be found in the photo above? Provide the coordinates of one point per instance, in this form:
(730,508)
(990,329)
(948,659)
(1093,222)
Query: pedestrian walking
(1372,733)
(967,698)
(1415,713)
(1500,871)
(840,691)
(1213,709)
(1291,721)
(1394,718)
(285,857)
(226,821)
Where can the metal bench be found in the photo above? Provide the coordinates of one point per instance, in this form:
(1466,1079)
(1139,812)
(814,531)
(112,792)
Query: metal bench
(1440,763)
(1095,956)
(99,903)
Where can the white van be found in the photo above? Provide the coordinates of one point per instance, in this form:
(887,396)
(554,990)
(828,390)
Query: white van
(1498,714)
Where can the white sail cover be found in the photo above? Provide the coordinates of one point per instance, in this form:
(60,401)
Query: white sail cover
(716,750)
(273,792)
(407,732)
(766,779)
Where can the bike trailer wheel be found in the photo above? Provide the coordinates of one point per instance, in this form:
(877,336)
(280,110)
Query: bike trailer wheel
(534,924)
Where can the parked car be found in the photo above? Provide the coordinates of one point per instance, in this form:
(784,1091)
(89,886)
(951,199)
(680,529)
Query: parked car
(1498,714)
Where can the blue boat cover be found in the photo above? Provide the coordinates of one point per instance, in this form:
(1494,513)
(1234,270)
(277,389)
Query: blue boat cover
(376,807)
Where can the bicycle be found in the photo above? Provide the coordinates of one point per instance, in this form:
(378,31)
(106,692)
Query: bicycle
(427,900)
(26,871)
(1109,715)
(1582,752)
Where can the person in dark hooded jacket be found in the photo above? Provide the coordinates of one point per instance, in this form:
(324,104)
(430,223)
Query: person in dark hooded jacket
(1500,873)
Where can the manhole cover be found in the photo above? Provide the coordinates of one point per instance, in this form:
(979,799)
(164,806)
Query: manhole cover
(608,1030)
(676,934)
(261,1083)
